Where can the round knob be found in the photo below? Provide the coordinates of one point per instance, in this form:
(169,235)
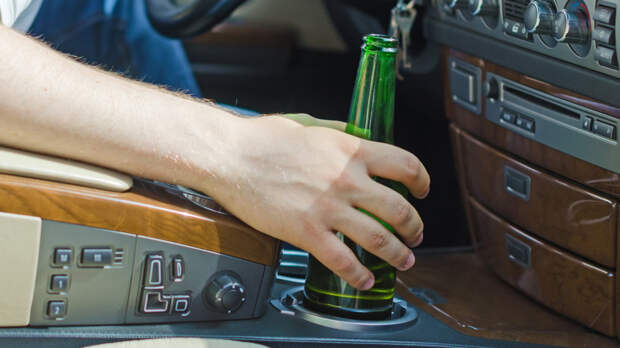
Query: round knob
(571,27)
(458,4)
(491,89)
(483,8)
(539,17)
(225,293)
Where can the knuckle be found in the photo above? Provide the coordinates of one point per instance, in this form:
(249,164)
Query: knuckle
(351,146)
(415,238)
(342,263)
(420,228)
(413,167)
(404,257)
(345,182)
(379,240)
(404,213)
(310,227)
(360,281)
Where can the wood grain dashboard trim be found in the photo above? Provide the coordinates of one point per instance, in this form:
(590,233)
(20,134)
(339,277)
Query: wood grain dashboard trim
(146,211)
(556,210)
(567,284)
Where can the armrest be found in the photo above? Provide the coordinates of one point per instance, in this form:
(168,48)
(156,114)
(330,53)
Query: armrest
(22,163)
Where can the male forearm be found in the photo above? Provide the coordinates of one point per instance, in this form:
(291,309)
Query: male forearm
(292,182)
(50,103)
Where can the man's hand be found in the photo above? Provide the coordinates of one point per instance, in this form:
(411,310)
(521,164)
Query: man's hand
(300,184)
(294,182)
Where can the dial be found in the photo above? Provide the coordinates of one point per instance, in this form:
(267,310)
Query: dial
(539,17)
(483,8)
(225,293)
(571,26)
(490,89)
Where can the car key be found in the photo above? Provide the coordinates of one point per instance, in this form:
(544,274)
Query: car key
(405,17)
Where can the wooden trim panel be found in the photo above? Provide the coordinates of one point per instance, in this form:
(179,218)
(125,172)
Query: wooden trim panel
(555,278)
(459,290)
(145,210)
(455,140)
(560,212)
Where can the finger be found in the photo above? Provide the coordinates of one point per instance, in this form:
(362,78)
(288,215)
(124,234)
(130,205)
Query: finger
(375,238)
(336,256)
(390,162)
(391,207)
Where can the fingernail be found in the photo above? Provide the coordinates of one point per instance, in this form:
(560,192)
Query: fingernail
(369,283)
(418,241)
(409,263)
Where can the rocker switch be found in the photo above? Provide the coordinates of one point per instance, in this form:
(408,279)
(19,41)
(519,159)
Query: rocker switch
(178,268)
(154,272)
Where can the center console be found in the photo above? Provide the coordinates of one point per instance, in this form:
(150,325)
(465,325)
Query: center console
(537,157)
(129,251)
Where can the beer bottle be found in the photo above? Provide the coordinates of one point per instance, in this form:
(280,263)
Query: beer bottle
(371,117)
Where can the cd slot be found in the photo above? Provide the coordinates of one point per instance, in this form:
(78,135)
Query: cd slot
(542,103)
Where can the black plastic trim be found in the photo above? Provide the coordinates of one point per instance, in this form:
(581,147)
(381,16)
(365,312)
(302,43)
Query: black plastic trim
(553,71)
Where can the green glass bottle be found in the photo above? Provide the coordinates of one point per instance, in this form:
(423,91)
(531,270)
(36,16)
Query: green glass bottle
(371,117)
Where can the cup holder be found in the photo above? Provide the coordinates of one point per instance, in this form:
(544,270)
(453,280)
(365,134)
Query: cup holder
(291,303)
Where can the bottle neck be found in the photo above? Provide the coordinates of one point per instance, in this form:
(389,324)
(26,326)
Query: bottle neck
(372,107)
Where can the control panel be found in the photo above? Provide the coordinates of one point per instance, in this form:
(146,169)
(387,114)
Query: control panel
(90,276)
(582,32)
(578,131)
(568,127)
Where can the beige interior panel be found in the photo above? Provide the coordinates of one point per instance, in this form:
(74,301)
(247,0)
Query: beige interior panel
(180,343)
(19,251)
(37,166)
(309,17)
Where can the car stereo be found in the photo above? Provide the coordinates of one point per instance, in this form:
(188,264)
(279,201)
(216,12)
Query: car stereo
(581,32)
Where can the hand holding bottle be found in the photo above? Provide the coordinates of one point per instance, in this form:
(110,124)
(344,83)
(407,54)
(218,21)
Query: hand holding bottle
(300,184)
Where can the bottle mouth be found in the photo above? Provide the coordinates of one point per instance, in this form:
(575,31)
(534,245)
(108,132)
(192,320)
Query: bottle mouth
(380,43)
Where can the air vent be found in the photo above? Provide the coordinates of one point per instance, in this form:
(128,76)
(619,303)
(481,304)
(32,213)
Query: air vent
(293,266)
(514,9)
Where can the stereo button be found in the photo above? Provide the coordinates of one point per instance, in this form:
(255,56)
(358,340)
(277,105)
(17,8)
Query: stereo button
(516,29)
(508,116)
(604,129)
(605,56)
(603,35)
(529,126)
(525,123)
(604,14)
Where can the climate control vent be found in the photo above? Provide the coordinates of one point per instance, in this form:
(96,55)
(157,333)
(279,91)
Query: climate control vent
(514,9)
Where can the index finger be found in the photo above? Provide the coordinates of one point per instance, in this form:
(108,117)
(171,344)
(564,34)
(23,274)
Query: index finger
(391,162)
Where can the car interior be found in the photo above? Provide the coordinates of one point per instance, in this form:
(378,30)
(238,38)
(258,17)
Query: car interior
(513,106)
